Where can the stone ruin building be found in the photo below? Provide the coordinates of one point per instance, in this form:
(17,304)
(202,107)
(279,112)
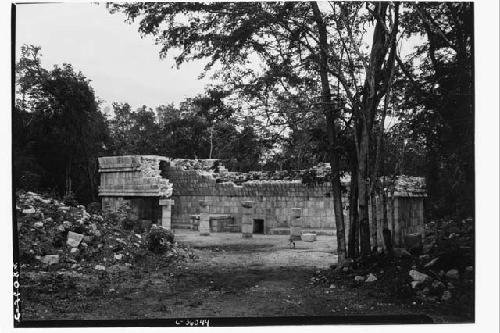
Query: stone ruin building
(203,195)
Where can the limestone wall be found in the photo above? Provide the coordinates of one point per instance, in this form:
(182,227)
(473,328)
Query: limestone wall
(132,175)
(273,200)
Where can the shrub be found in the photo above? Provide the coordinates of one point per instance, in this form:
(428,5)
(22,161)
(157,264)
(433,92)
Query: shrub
(119,217)
(159,240)
(94,208)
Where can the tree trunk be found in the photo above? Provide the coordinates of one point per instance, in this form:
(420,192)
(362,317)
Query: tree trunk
(364,226)
(385,224)
(393,219)
(353,244)
(329,111)
(374,222)
(211,142)
(378,75)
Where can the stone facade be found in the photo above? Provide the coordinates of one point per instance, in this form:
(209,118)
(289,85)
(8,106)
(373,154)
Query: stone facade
(273,201)
(162,190)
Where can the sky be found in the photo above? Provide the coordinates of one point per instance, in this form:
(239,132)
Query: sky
(122,66)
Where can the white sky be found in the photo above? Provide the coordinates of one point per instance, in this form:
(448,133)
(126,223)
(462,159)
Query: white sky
(122,66)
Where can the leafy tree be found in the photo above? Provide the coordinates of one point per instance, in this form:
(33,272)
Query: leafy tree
(58,127)
(441,93)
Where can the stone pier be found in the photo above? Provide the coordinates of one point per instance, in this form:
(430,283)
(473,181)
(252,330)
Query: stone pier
(247,219)
(204,226)
(166,213)
(296,223)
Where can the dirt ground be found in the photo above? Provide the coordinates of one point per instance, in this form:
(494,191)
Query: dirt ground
(232,277)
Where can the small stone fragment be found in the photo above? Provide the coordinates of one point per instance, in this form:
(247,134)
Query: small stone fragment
(453,274)
(74,239)
(359,278)
(29,211)
(371,278)
(431,263)
(424,257)
(50,259)
(100,268)
(417,277)
(38,224)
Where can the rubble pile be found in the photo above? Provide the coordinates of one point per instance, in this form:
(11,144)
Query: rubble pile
(441,272)
(408,183)
(318,174)
(56,236)
(195,164)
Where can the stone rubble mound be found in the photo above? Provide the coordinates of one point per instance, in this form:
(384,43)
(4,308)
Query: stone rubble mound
(53,234)
(441,272)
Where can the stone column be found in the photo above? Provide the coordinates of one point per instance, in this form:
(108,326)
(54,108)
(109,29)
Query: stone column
(247,219)
(296,223)
(204,226)
(166,213)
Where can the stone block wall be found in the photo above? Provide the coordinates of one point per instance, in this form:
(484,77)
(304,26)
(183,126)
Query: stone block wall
(146,181)
(273,200)
(132,176)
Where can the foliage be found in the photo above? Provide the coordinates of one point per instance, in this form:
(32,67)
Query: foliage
(440,92)
(59,130)
(159,240)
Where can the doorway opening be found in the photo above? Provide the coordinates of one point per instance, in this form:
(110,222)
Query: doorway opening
(258,226)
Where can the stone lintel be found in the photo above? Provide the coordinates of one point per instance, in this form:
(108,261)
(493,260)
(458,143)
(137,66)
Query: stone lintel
(165,202)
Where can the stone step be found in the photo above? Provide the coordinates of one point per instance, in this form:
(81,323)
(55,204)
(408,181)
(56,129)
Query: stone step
(286,231)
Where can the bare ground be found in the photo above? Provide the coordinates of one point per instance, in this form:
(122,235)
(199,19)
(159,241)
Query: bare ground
(232,277)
